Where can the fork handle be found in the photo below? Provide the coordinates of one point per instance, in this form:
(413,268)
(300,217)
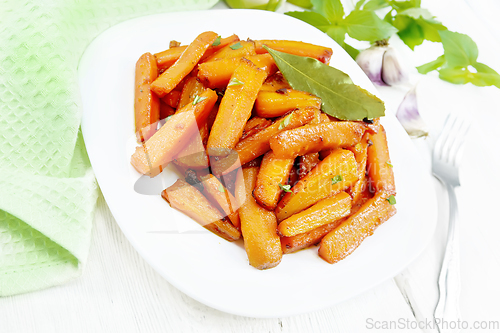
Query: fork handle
(447,308)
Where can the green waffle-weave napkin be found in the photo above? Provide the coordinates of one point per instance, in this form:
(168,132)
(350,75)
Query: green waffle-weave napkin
(47,188)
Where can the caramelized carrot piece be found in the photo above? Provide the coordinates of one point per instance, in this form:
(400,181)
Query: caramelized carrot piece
(194,156)
(191,202)
(273,173)
(146,105)
(192,87)
(258,226)
(335,173)
(217,73)
(324,212)
(379,163)
(302,241)
(321,53)
(220,197)
(172,98)
(255,125)
(360,153)
(168,57)
(258,144)
(233,50)
(165,110)
(172,137)
(272,104)
(314,138)
(307,163)
(344,239)
(236,107)
(167,81)
(275,82)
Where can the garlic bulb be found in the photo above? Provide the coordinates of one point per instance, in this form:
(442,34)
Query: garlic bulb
(380,63)
(409,116)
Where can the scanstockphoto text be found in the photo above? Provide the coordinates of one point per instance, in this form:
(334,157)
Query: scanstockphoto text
(431,324)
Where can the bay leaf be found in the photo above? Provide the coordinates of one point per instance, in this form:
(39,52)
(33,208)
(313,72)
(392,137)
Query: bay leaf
(340,97)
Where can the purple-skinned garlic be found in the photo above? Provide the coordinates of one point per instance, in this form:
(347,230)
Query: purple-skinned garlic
(409,116)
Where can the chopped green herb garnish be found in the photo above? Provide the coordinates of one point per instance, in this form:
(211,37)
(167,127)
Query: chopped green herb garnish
(141,90)
(198,99)
(216,41)
(389,164)
(336,179)
(236,46)
(221,188)
(285,188)
(235,82)
(285,122)
(168,118)
(392,200)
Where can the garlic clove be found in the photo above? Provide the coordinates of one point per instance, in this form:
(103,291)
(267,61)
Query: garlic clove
(409,117)
(392,71)
(370,61)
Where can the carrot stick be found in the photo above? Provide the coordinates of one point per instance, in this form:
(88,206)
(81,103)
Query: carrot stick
(217,73)
(172,137)
(379,163)
(167,81)
(146,105)
(168,57)
(321,53)
(344,239)
(236,107)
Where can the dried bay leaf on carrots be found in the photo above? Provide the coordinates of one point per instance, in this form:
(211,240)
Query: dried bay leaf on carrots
(169,79)
(340,97)
(344,239)
(236,107)
(258,225)
(191,202)
(173,136)
(273,173)
(320,182)
(146,103)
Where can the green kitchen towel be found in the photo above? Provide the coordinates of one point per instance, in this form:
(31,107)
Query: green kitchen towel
(47,188)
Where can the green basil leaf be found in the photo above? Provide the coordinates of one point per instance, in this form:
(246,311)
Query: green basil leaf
(353,52)
(459,49)
(331,9)
(341,98)
(301,3)
(412,35)
(337,33)
(417,13)
(431,66)
(359,4)
(366,25)
(454,75)
(314,19)
(485,76)
(405,4)
(431,30)
(376,5)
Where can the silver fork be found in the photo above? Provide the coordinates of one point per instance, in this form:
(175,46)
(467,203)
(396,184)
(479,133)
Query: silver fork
(445,158)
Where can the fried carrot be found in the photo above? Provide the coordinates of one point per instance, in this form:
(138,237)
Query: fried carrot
(146,105)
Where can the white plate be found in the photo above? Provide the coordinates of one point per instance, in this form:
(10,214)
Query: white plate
(200,264)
